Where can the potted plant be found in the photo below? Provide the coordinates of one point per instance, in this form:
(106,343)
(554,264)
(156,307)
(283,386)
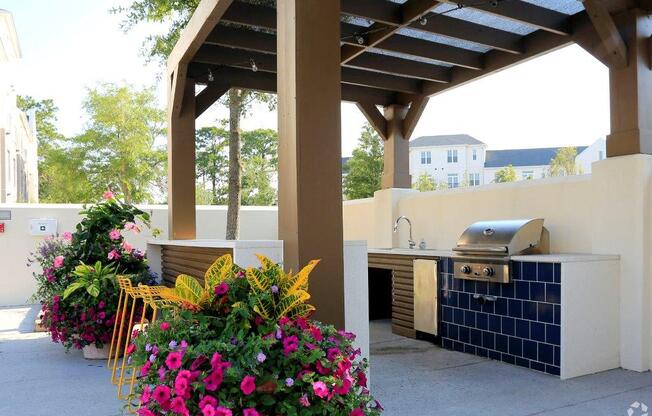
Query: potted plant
(244,344)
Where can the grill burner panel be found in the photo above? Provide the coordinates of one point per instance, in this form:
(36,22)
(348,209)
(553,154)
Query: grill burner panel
(485,248)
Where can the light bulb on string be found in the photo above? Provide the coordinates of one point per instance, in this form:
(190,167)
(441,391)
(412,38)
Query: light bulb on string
(211,78)
(254,67)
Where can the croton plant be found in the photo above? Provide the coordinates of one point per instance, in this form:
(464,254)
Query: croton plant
(243,343)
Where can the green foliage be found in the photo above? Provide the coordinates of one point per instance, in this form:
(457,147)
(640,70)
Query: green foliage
(92,278)
(563,164)
(365,168)
(506,174)
(212,162)
(425,183)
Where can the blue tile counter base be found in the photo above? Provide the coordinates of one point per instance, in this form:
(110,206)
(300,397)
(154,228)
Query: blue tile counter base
(521,327)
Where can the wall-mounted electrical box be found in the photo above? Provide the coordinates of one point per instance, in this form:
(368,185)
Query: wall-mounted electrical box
(43,226)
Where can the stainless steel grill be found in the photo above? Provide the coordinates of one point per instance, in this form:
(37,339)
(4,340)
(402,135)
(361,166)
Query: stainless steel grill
(484,250)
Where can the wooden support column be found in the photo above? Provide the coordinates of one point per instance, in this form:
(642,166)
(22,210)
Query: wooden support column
(396,171)
(310,179)
(181,167)
(631,89)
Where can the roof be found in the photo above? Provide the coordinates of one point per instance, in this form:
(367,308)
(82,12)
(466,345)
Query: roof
(444,140)
(523,157)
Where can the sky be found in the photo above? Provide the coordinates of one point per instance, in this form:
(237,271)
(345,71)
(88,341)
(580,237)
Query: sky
(559,99)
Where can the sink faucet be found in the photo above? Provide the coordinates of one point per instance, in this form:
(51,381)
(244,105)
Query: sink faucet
(411,242)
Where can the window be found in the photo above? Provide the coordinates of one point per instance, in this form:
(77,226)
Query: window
(600,155)
(474,179)
(452,156)
(453,181)
(426,158)
(527,174)
(475,154)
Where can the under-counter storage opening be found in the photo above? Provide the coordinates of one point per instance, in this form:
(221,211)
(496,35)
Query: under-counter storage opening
(380,294)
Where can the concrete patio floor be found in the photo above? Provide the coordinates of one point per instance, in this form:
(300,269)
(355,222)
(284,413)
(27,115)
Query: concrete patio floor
(409,377)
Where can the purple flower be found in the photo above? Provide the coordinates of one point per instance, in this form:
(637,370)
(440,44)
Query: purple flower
(148,347)
(289,382)
(261,357)
(279,333)
(172,344)
(152,358)
(221,289)
(234,341)
(275,289)
(161,373)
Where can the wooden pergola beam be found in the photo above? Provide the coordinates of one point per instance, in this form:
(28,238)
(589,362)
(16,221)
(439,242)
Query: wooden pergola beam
(413,115)
(401,67)
(208,96)
(430,50)
(374,117)
(223,56)
(608,32)
(535,44)
(377,33)
(540,17)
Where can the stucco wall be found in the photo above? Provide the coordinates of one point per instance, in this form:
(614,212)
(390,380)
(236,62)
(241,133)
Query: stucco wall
(16,281)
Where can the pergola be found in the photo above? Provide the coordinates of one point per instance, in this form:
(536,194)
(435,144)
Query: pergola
(378,54)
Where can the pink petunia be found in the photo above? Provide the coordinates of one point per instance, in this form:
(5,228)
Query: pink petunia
(144,370)
(113,255)
(165,326)
(248,385)
(213,381)
(208,401)
(303,400)
(290,345)
(131,348)
(208,410)
(223,411)
(58,262)
(128,248)
(222,289)
(173,360)
(161,394)
(145,412)
(345,387)
(181,386)
(357,412)
(250,412)
(320,389)
(67,235)
(115,234)
(147,395)
(178,405)
(130,226)
(108,195)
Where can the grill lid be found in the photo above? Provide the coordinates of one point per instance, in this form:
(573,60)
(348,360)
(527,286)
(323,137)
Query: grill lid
(505,238)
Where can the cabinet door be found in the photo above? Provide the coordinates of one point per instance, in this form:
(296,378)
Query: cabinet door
(425,296)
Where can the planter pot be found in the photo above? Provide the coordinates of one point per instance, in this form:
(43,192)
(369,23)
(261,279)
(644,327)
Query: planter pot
(91,352)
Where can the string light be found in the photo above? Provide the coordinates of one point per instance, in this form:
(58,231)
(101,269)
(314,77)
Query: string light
(211,78)
(423,21)
(254,67)
(359,39)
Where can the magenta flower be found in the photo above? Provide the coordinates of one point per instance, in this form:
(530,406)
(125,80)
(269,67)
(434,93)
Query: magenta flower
(320,389)
(108,195)
(58,262)
(290,345)
(208,410)
(304,401)
(250,412)
(113,255)
(161,394)
(178,405)
(115,235)
(173,361)
(221,289)
(345,387)
(165,326)
(357,412)
(214,380)
(208,401)
(67,235)
(180,386)
(248,385)
(223,411)
(145,412)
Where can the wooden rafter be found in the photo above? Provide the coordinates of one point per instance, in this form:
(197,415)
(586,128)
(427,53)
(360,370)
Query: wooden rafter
(401,67)
(208,96)
(378,32)
(608,31)
(522,12)
(220,55)
(374,117)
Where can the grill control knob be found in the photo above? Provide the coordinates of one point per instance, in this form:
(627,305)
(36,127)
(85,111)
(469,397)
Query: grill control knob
(465,269)
(488,271)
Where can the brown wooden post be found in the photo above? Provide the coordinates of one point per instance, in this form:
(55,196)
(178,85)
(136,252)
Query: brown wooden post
(396,171)
(310,183)
(181,167)
(631,89)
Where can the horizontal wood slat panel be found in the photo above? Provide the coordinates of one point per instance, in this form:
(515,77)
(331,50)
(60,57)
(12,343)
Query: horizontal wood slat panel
(402,322)
(404,305)
(205,257)
(403,331)
(193,261)
(200,265)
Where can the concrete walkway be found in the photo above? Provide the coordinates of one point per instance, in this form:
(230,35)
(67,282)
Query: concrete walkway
(409,378)
(412,377)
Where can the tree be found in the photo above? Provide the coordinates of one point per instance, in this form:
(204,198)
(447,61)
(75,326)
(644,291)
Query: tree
(425,183)
(506,174)
(365,168)
(563,164)
(119,141)
(177,13)
(212,162)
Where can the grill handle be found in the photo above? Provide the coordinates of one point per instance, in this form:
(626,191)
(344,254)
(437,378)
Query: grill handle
(480,250)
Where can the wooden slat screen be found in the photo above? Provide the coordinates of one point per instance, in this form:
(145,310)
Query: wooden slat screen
(193,261)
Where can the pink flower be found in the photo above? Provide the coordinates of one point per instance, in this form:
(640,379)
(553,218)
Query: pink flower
(173,361)
(290,345)
(147,395)
(332,353)
(115,234)
(67,236)
(127,247)
(208,401)
(130,226)
(144,370)
(250,412)
(161,394)
(113,255)
(316,334)
(213,381)
(357,412)
(58,262)
(165,326)
(223,411)
(180,385)
(304,401)
(320,389)
(221,289)
(131,348)
(145,412)
(248,385)
(178,405)
(362,379)
(108,195)
(345,387)
(208,410)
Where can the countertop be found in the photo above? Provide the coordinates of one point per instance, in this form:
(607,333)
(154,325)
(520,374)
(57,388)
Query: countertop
(539,258)
(210,243)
